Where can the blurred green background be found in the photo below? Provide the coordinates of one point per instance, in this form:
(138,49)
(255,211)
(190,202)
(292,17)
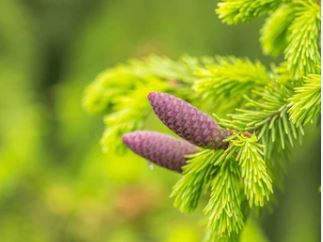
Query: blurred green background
(55,184)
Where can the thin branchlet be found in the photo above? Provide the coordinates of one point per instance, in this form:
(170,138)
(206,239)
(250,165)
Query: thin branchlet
(305,104)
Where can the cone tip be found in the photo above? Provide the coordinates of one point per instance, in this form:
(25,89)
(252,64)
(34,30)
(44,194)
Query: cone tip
(126,139)
(152,95)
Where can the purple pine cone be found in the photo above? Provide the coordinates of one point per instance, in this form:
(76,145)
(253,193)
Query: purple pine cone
(161,149)
(187,121)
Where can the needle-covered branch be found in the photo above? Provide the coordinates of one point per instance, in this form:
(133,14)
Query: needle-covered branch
(240,11)
(227,79)
(305,104)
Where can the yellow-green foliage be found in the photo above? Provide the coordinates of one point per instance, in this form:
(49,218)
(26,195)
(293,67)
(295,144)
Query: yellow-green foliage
(226,218)
(257,182)
(302,53)
(227,79)
(305,105)
(273,35)
(239,11)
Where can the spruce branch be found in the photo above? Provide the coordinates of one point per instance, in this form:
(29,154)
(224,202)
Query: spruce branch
(226,219)
(200,169)
(266,114)
(221,167)
(257,182)
(181,70)
(100,95)
(240,11)
(128,114)
(305,104)
(228,79)
(103,93)
(119,94)
(273,34)
(302,51)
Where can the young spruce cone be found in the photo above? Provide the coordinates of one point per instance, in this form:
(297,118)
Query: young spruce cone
(187,121)
(161,149)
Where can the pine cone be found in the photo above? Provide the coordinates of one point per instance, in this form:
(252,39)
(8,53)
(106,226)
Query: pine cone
(161,149)
(187,121)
